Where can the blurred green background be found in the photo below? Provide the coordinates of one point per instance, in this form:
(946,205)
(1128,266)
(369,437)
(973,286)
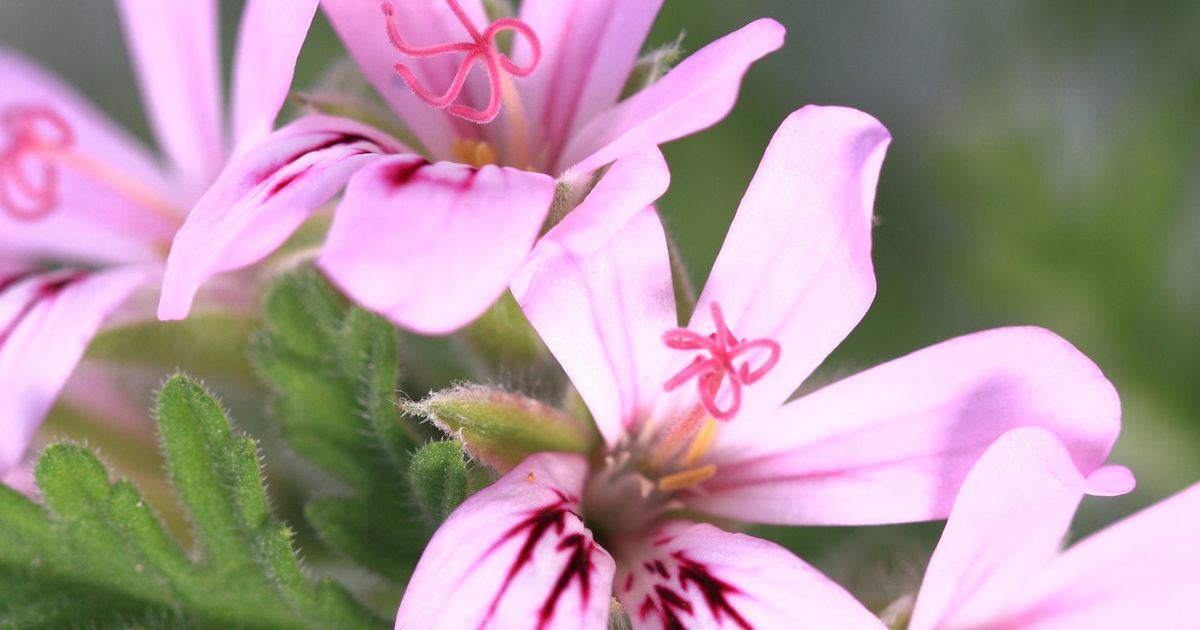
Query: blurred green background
(1045,170)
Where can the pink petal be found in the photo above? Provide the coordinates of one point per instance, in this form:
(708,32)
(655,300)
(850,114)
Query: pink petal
(694,95)
(271,34)
(262,197)
(1007,524)
(796,264)
(432,246)
(91,219)
(628,187)
(893,444)
(516,555)
(46,322)
(589,48)
(1143,572)
(698,576)
(603,316)
(363,30)
(175,52)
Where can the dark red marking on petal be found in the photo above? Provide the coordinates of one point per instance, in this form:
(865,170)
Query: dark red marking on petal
(628,582)
(714,589)
(270,175)
(481,49)
(401,173)
(579,566)
(711,371)
(33,131)
(47,289)
(535,527)
(673,605)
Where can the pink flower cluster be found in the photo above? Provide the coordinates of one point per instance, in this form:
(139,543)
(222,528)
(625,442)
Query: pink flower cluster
(527,170)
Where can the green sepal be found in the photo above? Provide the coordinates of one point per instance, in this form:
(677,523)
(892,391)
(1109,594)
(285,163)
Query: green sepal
(96,555)
(501,429)
(438,475)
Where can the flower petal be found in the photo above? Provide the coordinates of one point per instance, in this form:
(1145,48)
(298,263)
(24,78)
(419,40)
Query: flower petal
(893,444)
(432,246)
(363,29)
(262,197)
(1143,572)
(589,48)
(796,264)
(696,575)
(694,95)
(603,316)
(175,52)
(46,322)
(90,220)
(628,187)
(269,41)
(516,554)
(1007,524)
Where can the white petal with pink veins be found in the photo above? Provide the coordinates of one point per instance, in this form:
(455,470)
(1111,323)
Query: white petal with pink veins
(1007,524)
(796,267)
(698,576)
(1142,572)
(47,320)
(603,316)
(514,555)
(262,197)
(432,246)
(893,444)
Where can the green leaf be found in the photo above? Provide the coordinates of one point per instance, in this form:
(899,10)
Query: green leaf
(210,344)
(96,556)
(333,370)
(439,478)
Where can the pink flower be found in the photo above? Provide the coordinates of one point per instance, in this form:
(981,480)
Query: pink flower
(1000,564)
(432,245)
(547,544)
(77,191)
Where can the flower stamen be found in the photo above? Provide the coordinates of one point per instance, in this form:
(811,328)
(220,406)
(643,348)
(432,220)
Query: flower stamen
(34,132)
(700,443)
(473,152)
(482,48)
(711,372)
(686,478)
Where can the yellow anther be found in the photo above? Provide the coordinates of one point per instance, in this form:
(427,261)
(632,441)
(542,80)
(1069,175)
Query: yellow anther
(484,154)
(700,443)
(686,478)
(473,152)
(529,477)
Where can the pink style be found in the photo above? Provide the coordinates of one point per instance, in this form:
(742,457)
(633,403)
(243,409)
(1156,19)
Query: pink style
(87,214)
(553,541)
(497,146)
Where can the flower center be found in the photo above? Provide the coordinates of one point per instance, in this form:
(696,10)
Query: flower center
(716,366)
(28,173)
(481,49)
(474,152)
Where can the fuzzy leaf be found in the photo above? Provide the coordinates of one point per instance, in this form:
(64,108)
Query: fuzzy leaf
(333,369)
(96,556)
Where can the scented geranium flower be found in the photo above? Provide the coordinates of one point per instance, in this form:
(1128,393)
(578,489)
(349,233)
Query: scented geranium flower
(86,214)
(430,231)
(1000,562)
(694,420)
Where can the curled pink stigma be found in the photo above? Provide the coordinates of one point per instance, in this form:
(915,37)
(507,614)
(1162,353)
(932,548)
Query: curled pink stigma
(481,48)
(33,131)
(711,371)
